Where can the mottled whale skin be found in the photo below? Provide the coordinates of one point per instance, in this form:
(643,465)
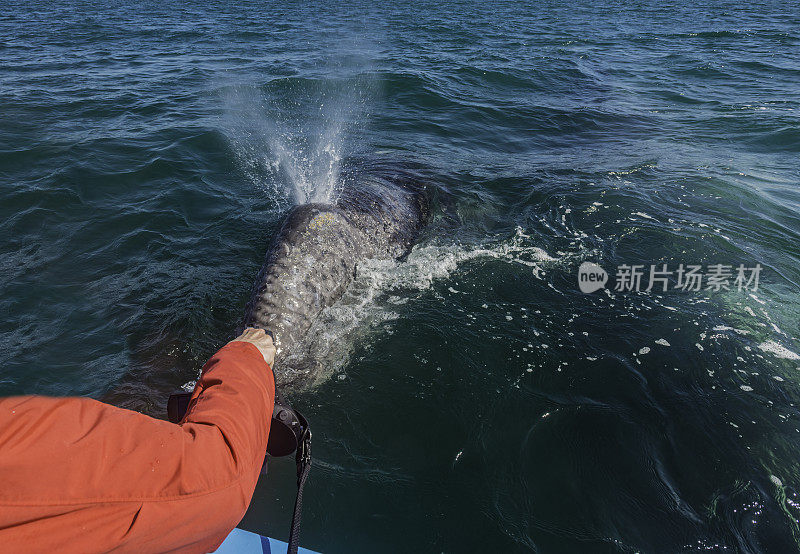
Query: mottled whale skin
(313,259)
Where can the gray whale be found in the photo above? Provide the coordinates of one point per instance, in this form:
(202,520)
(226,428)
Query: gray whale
(313,258)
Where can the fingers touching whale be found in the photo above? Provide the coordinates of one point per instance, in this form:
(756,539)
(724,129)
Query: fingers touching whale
(313,258)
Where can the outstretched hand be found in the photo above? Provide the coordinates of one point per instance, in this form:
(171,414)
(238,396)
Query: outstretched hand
(261,340)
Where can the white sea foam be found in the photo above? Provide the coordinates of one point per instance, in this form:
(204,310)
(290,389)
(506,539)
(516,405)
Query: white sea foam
(429,263)
(734,329)
(778,350)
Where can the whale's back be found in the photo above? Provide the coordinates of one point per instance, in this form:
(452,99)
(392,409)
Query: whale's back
(314,256)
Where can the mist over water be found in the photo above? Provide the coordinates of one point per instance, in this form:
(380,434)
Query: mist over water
(472,399)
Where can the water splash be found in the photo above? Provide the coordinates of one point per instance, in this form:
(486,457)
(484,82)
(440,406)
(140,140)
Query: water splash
(381,287)
(291,134)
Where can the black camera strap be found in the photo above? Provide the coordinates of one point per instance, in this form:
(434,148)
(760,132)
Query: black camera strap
(303,460)
(290,432)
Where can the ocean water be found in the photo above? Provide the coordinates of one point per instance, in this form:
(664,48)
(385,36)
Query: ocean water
(474,398)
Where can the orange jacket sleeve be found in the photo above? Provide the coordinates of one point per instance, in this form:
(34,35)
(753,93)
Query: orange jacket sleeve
(77,475)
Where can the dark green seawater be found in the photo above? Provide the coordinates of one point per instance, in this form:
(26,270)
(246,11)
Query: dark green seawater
(474,399)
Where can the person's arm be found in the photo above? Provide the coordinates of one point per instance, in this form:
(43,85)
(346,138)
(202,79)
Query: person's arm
(79,475)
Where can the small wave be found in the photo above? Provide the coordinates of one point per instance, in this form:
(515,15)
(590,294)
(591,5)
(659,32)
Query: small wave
(785,139)
(722,33)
